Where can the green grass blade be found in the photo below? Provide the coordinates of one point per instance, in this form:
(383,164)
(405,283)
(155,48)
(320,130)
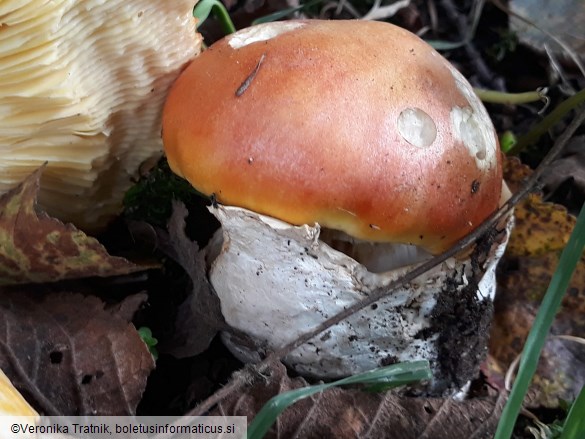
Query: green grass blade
(202,10)
(541,326)
(549,121)
(389,376)
(268,414)
(284,13)
(574,427)
(500,97)
(443,46)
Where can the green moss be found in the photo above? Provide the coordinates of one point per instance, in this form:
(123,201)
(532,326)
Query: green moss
(150,199)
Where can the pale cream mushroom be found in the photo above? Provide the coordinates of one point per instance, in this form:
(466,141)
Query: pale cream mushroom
(12,403)
(364,130)
(82,84)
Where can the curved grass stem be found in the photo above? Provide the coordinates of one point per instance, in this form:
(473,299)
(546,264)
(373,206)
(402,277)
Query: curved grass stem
(202,10)
(548,122)
(499,97)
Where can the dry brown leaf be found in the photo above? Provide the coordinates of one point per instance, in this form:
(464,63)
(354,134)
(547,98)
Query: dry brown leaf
(515,173)
(36,248)
(69,356)
(565,19)
(565,180)
(199,317)
(541,232)
(540,228)
(342,413)
(126,309)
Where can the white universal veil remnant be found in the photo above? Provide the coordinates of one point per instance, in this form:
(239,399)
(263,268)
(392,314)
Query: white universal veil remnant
(341,155)
(82,85)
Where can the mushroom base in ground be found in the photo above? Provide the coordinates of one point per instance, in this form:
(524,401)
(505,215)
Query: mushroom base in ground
(276,281)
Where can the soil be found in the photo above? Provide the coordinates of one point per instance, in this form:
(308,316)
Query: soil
(463,322)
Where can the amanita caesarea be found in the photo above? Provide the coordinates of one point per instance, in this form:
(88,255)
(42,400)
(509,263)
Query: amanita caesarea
(341,153)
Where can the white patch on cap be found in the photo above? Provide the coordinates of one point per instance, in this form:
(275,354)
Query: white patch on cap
(261,32)
(473,126)
(417,127)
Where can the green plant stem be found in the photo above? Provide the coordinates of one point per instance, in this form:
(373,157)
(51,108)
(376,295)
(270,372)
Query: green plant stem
(548,122)
(499,97)
(202,10)
(284,13)
(541,326)
(574,426)
(386,377)
(224,19)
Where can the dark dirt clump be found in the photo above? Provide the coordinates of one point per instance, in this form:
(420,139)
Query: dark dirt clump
(463,322)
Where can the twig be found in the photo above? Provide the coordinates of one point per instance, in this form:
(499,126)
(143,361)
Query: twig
(234,385)
(484,430)
(379,293)
(483,71)
(379,12)
(433,16)
(556,68)
(242,88)
(338,7)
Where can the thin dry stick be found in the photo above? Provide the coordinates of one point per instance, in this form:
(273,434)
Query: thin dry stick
(247,375)
(484,72)
(242,88)
(379,12)
(485,429)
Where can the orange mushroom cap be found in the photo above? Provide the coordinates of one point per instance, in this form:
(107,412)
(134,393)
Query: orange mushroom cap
(359,126)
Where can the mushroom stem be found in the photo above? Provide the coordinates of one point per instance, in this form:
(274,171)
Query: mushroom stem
(377,257)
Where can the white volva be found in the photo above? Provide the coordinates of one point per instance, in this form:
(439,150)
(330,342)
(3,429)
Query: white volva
(277,281)
(82,84)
